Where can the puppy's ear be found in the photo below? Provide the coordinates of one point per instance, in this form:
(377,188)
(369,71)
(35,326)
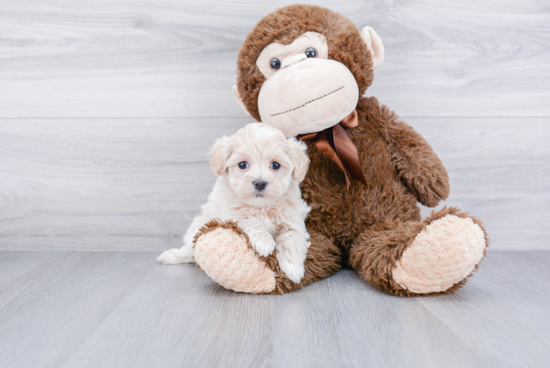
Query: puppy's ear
(297,151)
(219,154)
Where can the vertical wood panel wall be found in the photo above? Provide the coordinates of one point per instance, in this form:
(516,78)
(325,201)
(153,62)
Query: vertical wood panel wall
(107,110)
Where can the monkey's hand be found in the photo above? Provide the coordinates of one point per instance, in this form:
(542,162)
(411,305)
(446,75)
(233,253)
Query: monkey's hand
(424,176)
(420,169)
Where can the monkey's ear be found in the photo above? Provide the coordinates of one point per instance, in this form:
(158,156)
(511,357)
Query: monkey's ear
(375,45)
(238,99)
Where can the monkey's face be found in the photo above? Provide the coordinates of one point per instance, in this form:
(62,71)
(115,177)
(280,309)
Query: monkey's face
(311,73)
(304,86)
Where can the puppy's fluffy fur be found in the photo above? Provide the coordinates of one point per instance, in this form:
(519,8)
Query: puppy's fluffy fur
(273,217)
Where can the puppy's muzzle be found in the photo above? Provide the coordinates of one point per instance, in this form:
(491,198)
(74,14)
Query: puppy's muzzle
(259,185)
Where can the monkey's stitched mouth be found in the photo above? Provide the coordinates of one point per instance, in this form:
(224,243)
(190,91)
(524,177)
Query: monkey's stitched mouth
(308,102)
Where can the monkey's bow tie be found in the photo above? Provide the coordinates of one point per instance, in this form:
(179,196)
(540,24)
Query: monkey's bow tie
(338,146)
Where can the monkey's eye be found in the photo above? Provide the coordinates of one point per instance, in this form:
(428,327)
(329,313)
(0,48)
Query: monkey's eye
(275,165)
(311,52)
(243,165)
(275,64)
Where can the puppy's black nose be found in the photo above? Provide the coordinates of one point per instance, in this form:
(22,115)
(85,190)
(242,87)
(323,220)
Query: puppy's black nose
(259,184)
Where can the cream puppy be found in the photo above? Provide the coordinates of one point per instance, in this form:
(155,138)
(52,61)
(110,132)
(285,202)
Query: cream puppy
(258,187)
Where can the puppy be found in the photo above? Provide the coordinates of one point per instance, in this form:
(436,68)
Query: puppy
(258,187)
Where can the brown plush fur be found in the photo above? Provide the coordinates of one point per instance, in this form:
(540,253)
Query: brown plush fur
(371,224)
(323,257)
(323,260)
(383,244)
(287,24)
(215,224)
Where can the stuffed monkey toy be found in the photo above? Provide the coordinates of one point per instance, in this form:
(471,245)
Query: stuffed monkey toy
(304,69)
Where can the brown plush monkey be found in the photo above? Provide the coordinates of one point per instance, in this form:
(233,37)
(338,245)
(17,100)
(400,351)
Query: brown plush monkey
(304,69)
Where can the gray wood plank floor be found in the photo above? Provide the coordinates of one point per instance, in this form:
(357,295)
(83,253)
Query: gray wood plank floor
(66,309)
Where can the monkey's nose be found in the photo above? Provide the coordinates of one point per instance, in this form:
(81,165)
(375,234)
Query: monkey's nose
(293,59)
(259,185)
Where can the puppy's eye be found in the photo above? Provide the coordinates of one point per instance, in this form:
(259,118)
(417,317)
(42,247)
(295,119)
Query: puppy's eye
(243,165)
(311,52)
(275,165)
(275,64)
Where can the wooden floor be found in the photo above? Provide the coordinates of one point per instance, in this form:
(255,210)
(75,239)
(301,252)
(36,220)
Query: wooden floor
(81,309)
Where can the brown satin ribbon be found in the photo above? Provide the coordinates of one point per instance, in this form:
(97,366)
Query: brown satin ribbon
(338,146)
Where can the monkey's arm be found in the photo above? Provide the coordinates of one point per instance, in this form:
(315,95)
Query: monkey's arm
(419,167)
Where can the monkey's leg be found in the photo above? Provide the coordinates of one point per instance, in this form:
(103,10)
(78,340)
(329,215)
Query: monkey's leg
(323,259)
(224,253)
(435,256)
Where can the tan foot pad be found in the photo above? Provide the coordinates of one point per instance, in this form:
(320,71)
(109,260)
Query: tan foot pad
(226,257)
(441,255)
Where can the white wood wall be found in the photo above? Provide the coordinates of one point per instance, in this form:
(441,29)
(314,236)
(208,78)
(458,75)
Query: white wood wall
(107,109)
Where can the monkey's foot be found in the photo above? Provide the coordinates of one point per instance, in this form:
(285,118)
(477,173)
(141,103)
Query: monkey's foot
(224,253)
(442,255)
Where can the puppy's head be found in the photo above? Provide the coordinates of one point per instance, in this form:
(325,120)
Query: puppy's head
(260,163)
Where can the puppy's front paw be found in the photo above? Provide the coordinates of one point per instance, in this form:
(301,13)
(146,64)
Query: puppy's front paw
(176,256)
(262,243)
(291,255)
(294,271)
